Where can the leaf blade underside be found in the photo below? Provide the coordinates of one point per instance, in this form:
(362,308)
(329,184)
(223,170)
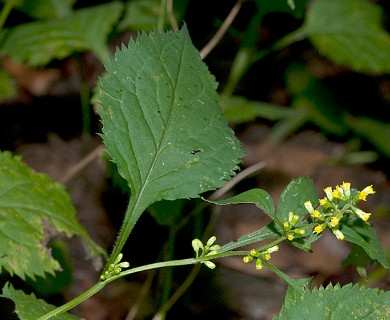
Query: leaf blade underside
(161,121)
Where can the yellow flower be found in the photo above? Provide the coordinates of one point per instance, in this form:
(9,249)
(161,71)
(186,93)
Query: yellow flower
(318,229)
(365,192)
(316,214)
(328,192)
(342,192)
(339,235)
(290,237)
(337,193)
(247,259)
(324,202)
(346,186)
(334,221)
(309,207)
(362,215)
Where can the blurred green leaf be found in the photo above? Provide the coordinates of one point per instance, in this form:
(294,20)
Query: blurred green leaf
(286,127)
(33,207)
(167,213)
(374,131)
(45,9)
(141,15)
(38,43)
(336,302)
(308,93)
(266,6)
(7,87)
(28,307)
(239,110)
(349,32)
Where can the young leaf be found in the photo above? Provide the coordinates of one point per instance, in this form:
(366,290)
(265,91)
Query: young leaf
(37,43)
(363,235)
(349,32)
(294,196)
(335,302)
(259,197)
(28,307)
(162,124)
(32,207)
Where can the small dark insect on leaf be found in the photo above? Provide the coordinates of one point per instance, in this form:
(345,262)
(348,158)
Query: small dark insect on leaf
(195,151)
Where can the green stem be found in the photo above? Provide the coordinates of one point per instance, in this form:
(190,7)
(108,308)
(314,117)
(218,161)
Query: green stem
(5,12)
(76,301)
(271,244)
(161,15)
(100,285)
(133,212)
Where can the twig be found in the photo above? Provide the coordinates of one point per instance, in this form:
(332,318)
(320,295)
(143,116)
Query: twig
(171,16)
(94,154)
(236,179)
(221,31)
(131,315)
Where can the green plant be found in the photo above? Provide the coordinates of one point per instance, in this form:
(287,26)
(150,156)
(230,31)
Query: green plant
(358,42)
(163,128)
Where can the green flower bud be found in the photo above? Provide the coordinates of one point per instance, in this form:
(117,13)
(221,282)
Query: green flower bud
(247,259)
(197,245)
(259,264)
(211,241)
(209,264)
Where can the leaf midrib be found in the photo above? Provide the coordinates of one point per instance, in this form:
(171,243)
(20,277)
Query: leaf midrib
(169,119)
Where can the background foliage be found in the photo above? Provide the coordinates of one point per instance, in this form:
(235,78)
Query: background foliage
(328,60)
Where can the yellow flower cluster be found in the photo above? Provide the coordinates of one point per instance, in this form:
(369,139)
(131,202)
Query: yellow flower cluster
(259,256)
(336,204)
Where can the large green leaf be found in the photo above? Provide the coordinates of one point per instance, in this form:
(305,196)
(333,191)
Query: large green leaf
(349,32)
(335,302)
(162,124)
(37,43)
(29,307)
(32,208)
